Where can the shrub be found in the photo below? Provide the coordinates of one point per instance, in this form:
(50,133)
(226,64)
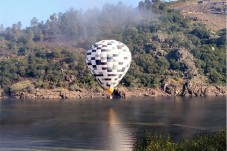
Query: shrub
(210,142)
(38,83)
(30,87)
(21,85)
(74,87)
(98,89)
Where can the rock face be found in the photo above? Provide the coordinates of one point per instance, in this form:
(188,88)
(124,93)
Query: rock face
(138,92)
(1,93)
(173,87)
(119,93)
(188,59)
(69,78)
(192,88)
(67,94)
(56,94)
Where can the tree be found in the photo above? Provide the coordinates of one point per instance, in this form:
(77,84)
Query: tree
(202,33)
(2,29)
(34,22)
(21,52)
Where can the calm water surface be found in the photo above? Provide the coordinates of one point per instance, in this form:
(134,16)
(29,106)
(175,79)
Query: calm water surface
(101,124)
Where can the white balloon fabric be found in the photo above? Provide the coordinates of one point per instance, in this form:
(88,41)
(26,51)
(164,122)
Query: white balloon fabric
(108,61)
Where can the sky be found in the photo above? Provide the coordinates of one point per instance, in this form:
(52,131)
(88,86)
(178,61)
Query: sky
(12,11)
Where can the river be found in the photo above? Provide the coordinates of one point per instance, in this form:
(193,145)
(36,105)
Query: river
(101,124)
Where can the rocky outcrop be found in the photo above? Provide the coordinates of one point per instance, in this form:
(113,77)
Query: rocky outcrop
(192,88)
(1,93)
(172,87)
(139,92)
(69,78)
(56,94)
(119,93)
(188,59)
(197,86)
(67,94)
(161,37)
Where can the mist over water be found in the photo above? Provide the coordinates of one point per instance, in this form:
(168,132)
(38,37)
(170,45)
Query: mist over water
(100,124)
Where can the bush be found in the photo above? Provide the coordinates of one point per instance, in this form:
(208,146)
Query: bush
(211,142)
(19,86)
(38,83)
(30,87)
(74,87)
(202,33)
(45,85)
(98,89)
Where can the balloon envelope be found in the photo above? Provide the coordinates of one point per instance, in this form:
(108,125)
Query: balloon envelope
(108,61)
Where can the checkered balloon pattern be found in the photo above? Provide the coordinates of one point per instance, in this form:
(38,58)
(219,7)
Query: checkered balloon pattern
(108,61)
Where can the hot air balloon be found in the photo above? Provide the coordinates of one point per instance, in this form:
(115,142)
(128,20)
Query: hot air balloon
(108,61)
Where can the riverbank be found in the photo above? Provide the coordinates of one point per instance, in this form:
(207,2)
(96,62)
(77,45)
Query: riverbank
(61,93)
(123,92)
(195,87)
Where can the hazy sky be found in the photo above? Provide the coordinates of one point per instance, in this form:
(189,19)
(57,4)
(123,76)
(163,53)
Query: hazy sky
(12,11)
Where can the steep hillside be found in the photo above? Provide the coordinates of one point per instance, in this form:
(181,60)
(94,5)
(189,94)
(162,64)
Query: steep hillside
(170,52)
(212,13)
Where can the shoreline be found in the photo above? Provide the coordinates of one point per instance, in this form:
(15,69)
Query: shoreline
(122,92)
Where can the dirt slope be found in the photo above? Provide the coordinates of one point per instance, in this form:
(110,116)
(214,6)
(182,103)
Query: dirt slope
(212,13)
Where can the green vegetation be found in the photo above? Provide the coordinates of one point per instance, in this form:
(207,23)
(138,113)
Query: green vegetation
(49,54)
(211,142)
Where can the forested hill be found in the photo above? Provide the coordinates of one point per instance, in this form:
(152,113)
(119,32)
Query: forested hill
(165,46)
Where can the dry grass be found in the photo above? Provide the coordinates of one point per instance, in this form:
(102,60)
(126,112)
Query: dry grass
(203,13)
(21,85)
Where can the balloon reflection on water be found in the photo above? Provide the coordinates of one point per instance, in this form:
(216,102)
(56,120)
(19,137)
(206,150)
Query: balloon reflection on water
(120,136)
